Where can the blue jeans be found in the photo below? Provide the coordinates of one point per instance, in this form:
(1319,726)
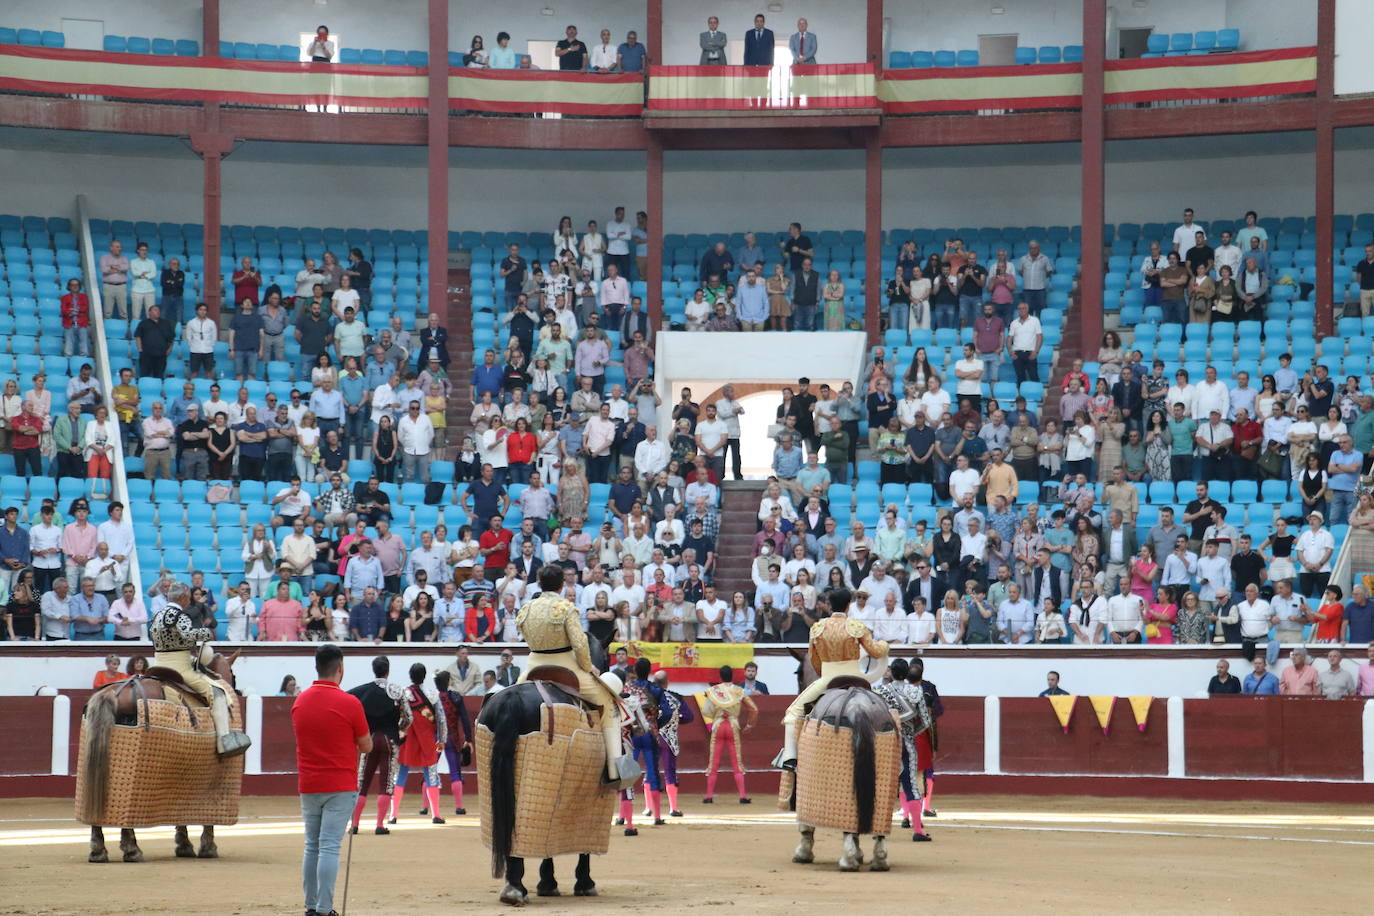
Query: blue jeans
(76,342)
(171,308)
(1035,298)
(803,317)
(1175,312)
(1341,504)
(326,817)
(945,316)
(246,363)
(308,361)
(990,363)
(970,307)
(897,315)
(356,435)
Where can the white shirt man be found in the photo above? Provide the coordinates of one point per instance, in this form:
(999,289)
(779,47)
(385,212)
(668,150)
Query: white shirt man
(413,591)
(493,448)
(728,410)
(1125,615)
(1226,254)
(293,502)
(1185,236)
(651,455)
(640,545)
(969,372)
(242,613)
(1256,614)
(1016,617)
(889,621)
(712,434)
(1292,611)
(629,591)
(416,434)
(298,549)
(1209,395)
(935,401)
(120,536)
(879,585)
(107,572)
(201,336)
(45,544)
(711,618)
(306,279)
(1024,335)
(128,615)
(963,481)
(1312,545)
(1213,574)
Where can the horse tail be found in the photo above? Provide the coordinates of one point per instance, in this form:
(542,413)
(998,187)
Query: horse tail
(865,778)
(95,772)
(502,714)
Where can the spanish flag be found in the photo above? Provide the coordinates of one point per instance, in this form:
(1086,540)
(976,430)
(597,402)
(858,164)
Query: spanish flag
(687,661)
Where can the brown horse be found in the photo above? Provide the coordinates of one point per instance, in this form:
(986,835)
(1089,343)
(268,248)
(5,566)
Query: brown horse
(117,704)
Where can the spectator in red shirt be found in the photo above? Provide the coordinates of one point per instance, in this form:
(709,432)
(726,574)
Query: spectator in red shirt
(25,430)
(520,448)
(76,321)
(247,280)
(331,731)
(109,674)
(494,547)
(480,623)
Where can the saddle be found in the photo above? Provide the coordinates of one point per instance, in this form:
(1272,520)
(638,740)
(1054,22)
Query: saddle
(555,674)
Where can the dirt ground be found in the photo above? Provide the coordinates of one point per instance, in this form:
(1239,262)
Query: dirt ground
(990,855)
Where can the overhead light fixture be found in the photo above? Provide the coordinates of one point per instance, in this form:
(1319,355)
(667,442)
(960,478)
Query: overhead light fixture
(1140,4)
(997,9)
(775,7)
(546,11)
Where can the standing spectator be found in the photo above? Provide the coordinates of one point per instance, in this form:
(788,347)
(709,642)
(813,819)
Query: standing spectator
(321,51)
(359,274)
(55,609)
(245,338)
(1299,679)
(26,431)
(76,320)
(713,43)
(1366,680)
(154,337)
(157,444)
(758,44)
(1034,269)
(98,445)
(114,281)
(630,57)
(1315,548)
(805,296)
(571,52)
(142,274)
(79,539)
(247,280)
(90,611)
(14,549)
(802,44)
(201,335)
(251,436)
(118,534)
(128,615)
(416,435)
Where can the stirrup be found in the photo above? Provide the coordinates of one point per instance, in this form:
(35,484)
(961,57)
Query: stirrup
(232,744)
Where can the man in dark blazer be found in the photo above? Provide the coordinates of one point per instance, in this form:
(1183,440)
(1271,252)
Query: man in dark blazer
(433,343)
(1046,581)
(507,673)
(1128,395)
(758,45)
(806,292)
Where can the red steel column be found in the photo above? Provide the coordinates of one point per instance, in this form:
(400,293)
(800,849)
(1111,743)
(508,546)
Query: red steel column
(436,296)
(653,203)
(653,33)
(212,146)
(1325,164)
(873,238)
(875,33)
(209,28)
(1093,152)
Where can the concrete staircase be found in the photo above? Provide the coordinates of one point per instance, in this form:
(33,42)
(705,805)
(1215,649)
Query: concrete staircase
(738,525)
(458,320)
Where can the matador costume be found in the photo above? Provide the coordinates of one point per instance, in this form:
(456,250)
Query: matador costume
(388,716)
(552,628)
(182,647)
(837,645)
(726,706)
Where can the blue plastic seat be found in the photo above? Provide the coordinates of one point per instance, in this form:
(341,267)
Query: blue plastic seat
(1073,54)
(31,37)
(54,39)
(1204,41)
(1157,43)
(922,60)
(373,56)
(1228,39)
(1025,55)
(417,58)
(244,50)
(114,44)
(1050,54)
(394,58)
(945,59)
(967,58)
(140,46)
(350,56)
(289,53)
(8,36)
(899,60)
(164,47)
(185,47)
(1181,41)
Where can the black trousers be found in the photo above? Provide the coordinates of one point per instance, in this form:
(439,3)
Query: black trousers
(732,450)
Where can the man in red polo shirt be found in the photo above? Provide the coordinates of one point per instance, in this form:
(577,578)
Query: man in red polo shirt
(331,731)
(494,546)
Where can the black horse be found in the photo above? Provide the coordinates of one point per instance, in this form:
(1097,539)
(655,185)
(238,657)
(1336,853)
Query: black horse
(509,714)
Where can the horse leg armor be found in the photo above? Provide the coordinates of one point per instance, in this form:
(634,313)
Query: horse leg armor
(879,862)
(208,849)
(851,856)
(548,882)
(585,886)
(805,853)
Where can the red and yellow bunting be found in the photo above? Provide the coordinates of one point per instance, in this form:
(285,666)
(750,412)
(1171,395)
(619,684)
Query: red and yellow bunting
(1062,705)
(980,88)
(1103,707)
(547,91)
(1140,706)
(1249,74)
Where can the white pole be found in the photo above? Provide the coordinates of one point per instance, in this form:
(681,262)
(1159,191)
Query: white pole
(252,725)
(1368,721)
(992,735)
(62,734)
(1178,753)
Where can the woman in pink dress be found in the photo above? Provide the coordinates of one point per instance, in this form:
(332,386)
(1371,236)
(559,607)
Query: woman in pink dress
(1144,571)
(1160,617)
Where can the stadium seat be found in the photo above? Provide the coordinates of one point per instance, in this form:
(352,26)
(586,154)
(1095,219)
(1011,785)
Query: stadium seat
(1073,54)
(923,60)
(944,59)
(967,58)
(140,46)
(54,39)
(1228,39)
(1025,55)
(164,47)
(187,48)
(1050,54)
(1157,43)
(899,60)
(1204,41)
(115,44)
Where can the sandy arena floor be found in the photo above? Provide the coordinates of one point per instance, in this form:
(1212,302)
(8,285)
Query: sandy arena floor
(990,855)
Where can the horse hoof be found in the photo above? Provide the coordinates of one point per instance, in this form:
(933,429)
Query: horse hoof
(849,864)
(543,891)
(513,896)
(186,852)
(135,855)
(100,856)
(803,858)
(209,852)
(585,891)
(880,866)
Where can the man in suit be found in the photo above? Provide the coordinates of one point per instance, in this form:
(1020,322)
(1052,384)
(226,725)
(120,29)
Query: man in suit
(805,296)
(527,564)
(752,685)
(924,586)
(713,44)
(1118,546)
(758,45)
(507,673)
(1127,395)
(803,44)
(433,344)
(1045,581)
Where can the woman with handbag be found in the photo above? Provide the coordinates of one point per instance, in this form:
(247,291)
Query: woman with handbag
(1226,295)
(1201,292)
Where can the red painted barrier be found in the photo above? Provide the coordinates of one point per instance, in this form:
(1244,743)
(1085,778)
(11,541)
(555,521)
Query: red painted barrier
(1034,743)
(25,736)
(1240,737)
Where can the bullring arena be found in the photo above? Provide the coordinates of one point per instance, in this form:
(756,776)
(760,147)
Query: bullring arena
(767,457)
